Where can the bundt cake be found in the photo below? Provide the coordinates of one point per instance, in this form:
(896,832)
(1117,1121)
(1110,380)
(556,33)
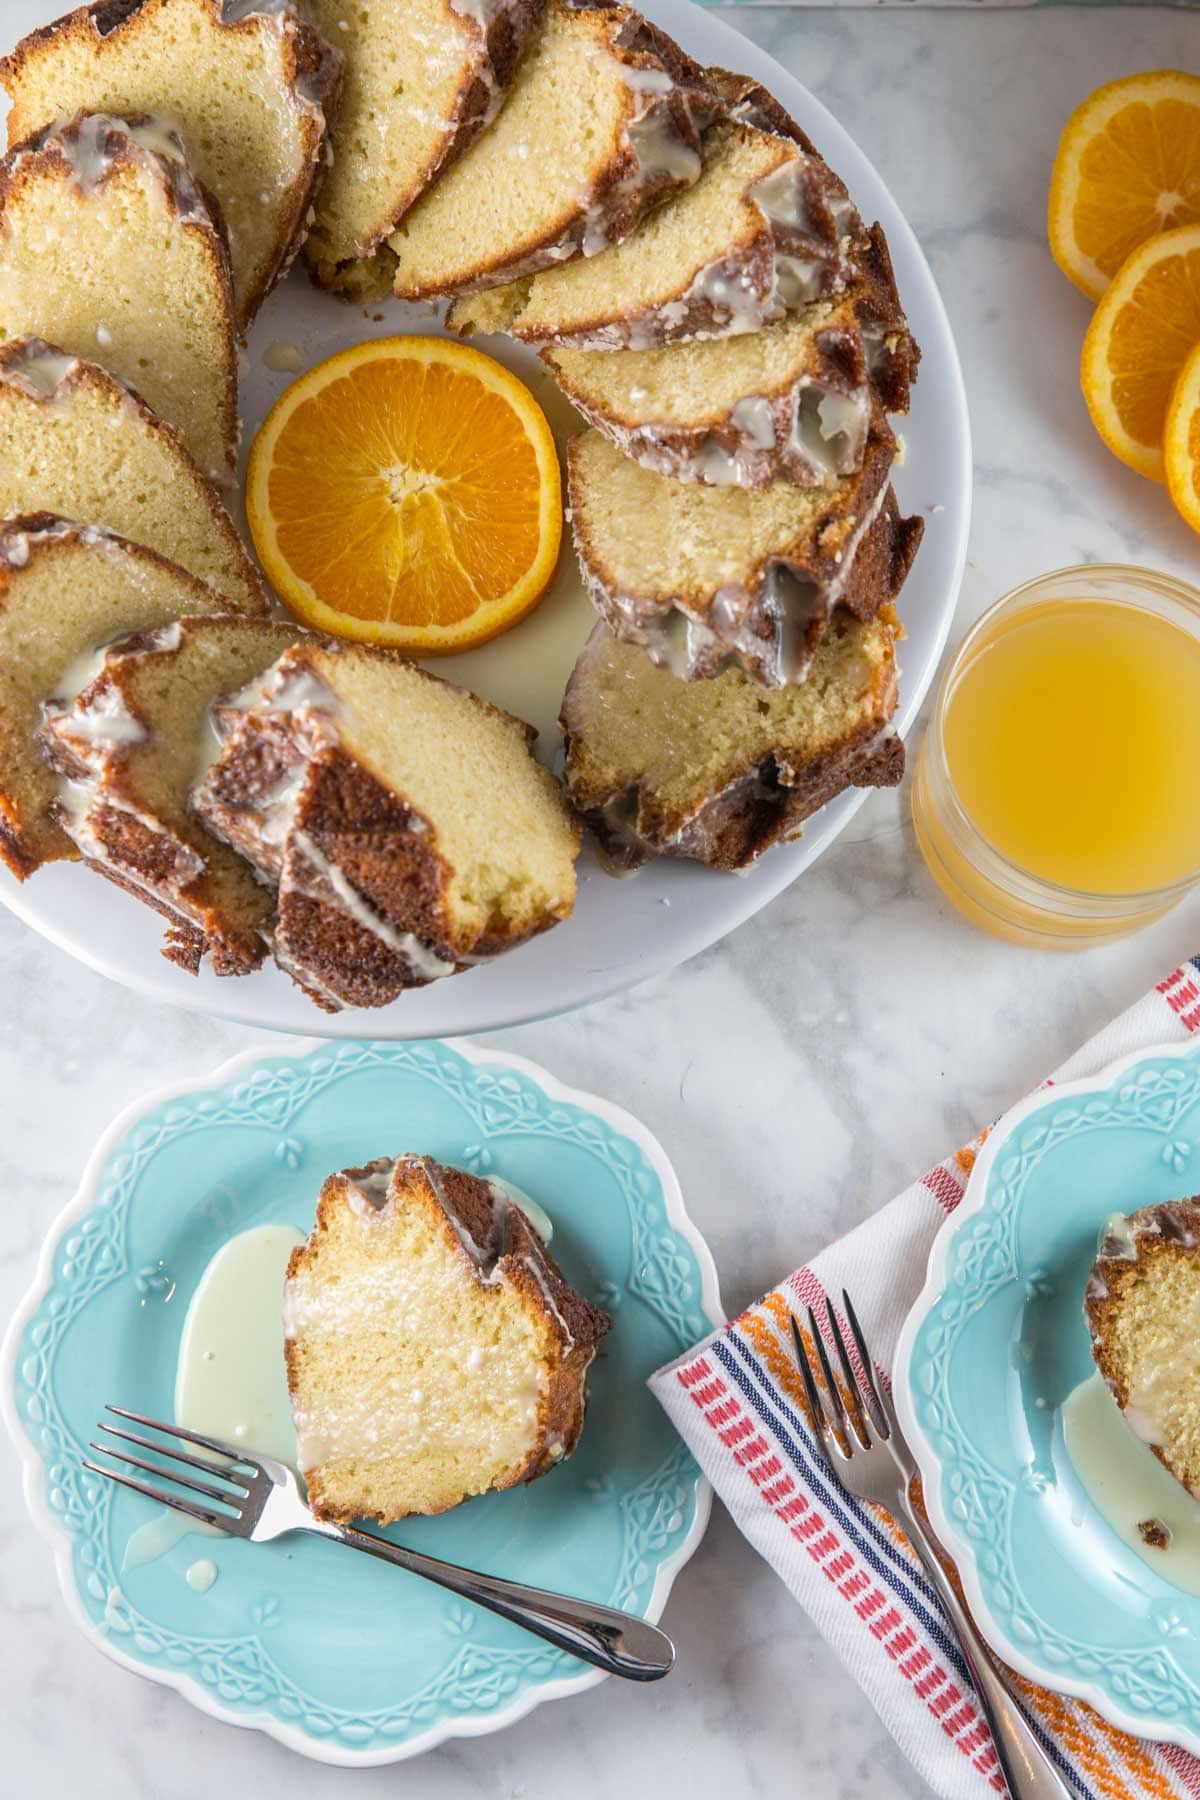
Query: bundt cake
(434,1348)
(1142,1307)
(599,126)
(80,443)
(248,86)
(130,747)
(720,770)
(109,249)
(405,822)
(422,79)
(66,591)
(705,578)
(764,229)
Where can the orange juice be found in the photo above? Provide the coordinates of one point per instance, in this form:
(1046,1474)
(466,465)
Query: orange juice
(1057,795)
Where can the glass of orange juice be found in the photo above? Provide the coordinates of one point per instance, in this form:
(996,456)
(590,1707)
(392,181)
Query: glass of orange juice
(1056,796)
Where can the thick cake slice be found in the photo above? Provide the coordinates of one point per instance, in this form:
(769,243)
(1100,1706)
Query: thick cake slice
(598,127)
(131,746)
(406,823)
(423,78)
(434,1348)
(721,770)
(766,228)
(1143,1311)
(66,592)
(248,86)
(706,578)
(80,443)
(108,248)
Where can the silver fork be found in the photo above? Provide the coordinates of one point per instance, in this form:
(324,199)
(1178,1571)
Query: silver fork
(860,1439)
(253,1496)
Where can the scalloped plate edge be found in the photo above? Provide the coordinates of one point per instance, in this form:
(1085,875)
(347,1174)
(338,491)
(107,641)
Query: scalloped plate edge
(932,1475)
(33,1473)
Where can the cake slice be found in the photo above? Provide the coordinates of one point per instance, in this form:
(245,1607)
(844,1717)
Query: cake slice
(706,578)
(599,126)
(720,770)
(1142,1306)
(435,1350)
(130,747)
(109,249)
(66,592)
(248,86)
(766,228)
(80,443)
(406,823)
(422,79)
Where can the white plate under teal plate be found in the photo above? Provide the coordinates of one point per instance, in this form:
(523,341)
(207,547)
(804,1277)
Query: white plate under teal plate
(622,932)
(326,1651)
(991,1351)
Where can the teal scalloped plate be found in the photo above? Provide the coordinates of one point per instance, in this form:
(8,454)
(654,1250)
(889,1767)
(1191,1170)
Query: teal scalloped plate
(324,1650)
(989,1353)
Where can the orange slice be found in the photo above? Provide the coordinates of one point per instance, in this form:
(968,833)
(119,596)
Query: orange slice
(1181,441)
(1142,333)
(1128,167)
(407,492)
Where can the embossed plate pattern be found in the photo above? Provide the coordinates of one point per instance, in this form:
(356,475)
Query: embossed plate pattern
(327,1652)
(990,1352)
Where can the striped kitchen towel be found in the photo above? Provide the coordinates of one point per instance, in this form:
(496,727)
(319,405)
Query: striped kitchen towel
(856,1576)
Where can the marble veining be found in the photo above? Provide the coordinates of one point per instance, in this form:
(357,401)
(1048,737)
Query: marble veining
(817,1060)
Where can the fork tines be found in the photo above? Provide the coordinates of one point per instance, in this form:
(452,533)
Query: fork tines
(229,1486)
(856,1402)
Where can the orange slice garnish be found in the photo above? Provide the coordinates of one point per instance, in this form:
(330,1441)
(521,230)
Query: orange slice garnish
(1181,441)
(1143,332)
(407,492)
(1128,168)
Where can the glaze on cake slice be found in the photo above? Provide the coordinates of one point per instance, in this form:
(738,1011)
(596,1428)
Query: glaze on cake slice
(706,578)
(408,827)
(434,1348)
(600,125)
(720,770)
(109,249)
(762,231)
(67,591)
(247,82)
(422,80)
(1143,1312)
(130,747)
(80,443)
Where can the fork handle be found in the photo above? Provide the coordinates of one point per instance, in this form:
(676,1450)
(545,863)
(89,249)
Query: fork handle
(617,1642)
(1027,1769)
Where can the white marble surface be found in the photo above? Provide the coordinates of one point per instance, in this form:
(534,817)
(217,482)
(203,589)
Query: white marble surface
(798,1074)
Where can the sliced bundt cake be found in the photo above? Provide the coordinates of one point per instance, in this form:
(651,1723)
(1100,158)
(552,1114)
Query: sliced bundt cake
(406,823)
(793,401)
(248,86)
(108,249)
(598,127)
(422,79)
(720,770)
(703,578)
(434,1349)
(763,230)
(1143,1309)
(66,592)
(80,443)
(130,747)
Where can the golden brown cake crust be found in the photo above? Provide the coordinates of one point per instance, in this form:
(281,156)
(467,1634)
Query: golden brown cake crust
(855,550)
(499,1241)
(1126,1258)
(312,71)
